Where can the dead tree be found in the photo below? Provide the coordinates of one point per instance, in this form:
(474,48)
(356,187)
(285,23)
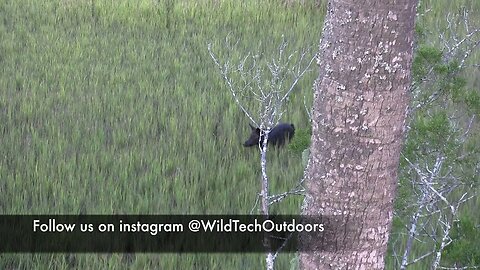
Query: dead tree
(435,168)
(270,83)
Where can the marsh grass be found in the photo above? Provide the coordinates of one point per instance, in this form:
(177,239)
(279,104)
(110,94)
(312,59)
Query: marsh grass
(116,108)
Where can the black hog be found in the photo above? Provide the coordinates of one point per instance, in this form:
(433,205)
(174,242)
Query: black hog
(276,136)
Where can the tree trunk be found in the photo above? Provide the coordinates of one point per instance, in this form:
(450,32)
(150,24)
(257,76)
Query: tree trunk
(359,111)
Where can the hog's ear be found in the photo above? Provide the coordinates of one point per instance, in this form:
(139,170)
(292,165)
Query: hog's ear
(252,127)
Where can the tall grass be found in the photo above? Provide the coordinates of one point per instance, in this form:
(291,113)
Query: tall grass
(116,107)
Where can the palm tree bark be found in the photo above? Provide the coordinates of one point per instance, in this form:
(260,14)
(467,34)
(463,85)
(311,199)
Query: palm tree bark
(359,112)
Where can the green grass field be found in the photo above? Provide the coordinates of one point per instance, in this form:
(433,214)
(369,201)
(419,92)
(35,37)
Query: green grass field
(115,107)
